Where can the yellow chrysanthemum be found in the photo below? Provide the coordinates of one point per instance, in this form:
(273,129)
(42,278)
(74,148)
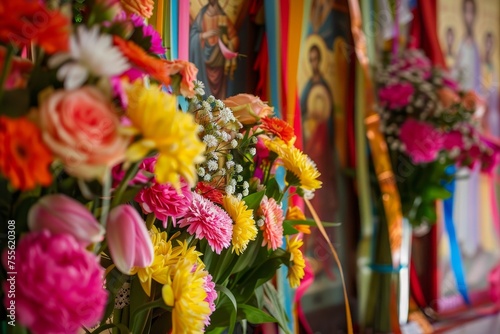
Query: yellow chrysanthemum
(295,213)
(244,229)
(297,262)
(155,117)
(297,163)
(186,293)
(166,256)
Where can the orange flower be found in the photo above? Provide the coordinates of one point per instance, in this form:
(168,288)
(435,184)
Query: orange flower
(279,128)
(188,72)
(24,159)
(295,213)
(447,97)
(142,7)
(157,68)
(471,101)
(25,21)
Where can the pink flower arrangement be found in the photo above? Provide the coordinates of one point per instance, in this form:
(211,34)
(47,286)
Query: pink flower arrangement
(59,286)
(273,223)
(208,221)
(397,95)
(163,199)
(422,141)
(61,214)
(128,239)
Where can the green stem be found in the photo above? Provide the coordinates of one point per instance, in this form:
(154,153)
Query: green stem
(6,68)
(131,172)
(146,307)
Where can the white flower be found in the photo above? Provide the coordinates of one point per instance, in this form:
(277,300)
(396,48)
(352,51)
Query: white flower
(198,88)
(239,197)
(234,143)
(210,140)
(212,165)
(225,136)
(308,194)
(246,185)
(238,168)
(222,171)
(226,115)
(229,164)
(194,100)
(229,189)
(219,104)
(239,135)
(206,106)
(232,182)
(211,99)
(245,192)
(201,128)
(207,177)
(91,53)
(214,156)
(260,222)
(254,140)
(201,172)
(199,84)
(239,178)
(252,150)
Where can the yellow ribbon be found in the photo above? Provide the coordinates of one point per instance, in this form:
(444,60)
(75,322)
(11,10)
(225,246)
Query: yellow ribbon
(336,257)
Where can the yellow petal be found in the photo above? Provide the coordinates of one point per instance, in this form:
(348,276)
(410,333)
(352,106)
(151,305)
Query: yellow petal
(168,295)
(139,150)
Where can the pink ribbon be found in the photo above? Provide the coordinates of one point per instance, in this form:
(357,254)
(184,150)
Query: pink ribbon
(301,290)
(183,30)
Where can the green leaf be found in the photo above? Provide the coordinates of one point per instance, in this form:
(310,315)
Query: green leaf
(273,189)
(310,222)
(435,192)
(255,315)
(288,229)
(273,304)
(253,200)
(234,311)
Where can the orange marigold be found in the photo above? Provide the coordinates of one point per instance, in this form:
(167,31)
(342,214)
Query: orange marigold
(142,7)
(26,21)
(24,159)
(279,128)
(158,68)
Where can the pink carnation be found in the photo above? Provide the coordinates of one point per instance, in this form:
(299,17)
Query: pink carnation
(163,199)
(423,142)
(396,96)
(209,287)
(273,223)
(206,220)
(453,139)
(59,286)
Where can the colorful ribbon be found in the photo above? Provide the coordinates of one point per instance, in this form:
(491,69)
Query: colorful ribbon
(455,256)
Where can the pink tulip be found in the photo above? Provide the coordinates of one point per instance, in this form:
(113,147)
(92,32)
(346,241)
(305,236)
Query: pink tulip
(128,239)
(61,214)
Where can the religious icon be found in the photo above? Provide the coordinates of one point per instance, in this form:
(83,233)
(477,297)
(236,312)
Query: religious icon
(213,30)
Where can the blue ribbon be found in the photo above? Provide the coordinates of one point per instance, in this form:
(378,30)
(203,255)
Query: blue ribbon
(455,255)
(174,28)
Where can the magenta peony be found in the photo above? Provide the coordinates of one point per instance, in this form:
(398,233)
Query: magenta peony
(163,199)
(396,96)
(61,214)
(453,140)
(207,221)
(128,239)
(59,285)
(423,142)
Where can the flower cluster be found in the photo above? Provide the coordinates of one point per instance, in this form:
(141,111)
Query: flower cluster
(122,191)
(429,124)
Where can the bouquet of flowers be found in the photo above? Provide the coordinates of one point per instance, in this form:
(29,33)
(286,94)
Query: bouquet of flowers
(429,125)
(121,211)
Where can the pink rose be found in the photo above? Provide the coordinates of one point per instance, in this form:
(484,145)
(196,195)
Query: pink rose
(396,96)
(61,214)
(423,142)
(81,128)
(247,108)
(59,284)
(128,239)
